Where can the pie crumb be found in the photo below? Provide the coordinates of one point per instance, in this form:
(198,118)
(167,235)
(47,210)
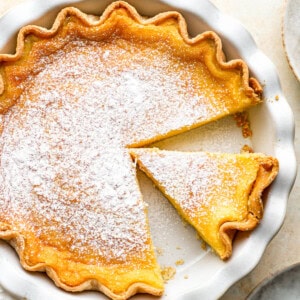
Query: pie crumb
(242,121)
(168,273)
(179,262)
(203,246)
(247,149)
(159,251)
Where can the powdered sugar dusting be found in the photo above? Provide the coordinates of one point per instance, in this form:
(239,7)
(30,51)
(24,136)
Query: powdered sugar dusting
(193,179)
(187,177)
(64,161)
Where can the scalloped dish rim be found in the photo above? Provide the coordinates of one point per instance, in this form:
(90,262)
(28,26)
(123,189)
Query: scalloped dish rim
(282,120)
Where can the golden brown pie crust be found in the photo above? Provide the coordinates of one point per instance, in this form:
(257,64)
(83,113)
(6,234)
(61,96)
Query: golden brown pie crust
(217,193)
(215,87)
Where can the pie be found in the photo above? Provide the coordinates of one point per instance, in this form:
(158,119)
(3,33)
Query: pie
(73,100)
(217,193)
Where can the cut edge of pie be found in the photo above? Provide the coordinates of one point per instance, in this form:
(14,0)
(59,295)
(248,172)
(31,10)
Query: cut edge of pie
(251,87)
(254,173)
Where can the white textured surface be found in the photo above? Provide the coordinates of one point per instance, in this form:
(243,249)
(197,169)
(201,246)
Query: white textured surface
(253,14)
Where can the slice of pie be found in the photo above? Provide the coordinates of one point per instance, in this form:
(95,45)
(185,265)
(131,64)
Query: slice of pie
(216,193)
(73,99)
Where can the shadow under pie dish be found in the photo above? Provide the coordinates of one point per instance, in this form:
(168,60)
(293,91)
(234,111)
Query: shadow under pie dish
(74,99)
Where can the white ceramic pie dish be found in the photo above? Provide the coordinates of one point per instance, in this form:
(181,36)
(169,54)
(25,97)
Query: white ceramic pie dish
(203,275)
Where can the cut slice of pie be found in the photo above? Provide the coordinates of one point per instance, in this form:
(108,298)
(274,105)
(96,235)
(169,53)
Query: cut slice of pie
(216,193)
(73,99)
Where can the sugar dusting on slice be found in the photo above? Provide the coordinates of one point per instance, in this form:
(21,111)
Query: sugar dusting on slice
(64,164)
(186,177)
(198,182)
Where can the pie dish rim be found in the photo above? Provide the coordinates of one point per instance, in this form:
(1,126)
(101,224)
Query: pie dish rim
(284,141)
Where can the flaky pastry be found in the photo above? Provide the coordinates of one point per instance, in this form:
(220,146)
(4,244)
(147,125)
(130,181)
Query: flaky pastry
(73,100)
(217,193)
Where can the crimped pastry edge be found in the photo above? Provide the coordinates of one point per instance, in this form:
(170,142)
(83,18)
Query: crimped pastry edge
(268,169)
(251,85)
(17,241)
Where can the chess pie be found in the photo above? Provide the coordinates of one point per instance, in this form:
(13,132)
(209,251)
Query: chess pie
(217,193)
(73,100)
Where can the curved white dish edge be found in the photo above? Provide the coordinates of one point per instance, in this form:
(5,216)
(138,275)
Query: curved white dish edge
(282,118)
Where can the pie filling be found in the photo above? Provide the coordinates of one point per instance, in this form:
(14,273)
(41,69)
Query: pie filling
(74,100)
